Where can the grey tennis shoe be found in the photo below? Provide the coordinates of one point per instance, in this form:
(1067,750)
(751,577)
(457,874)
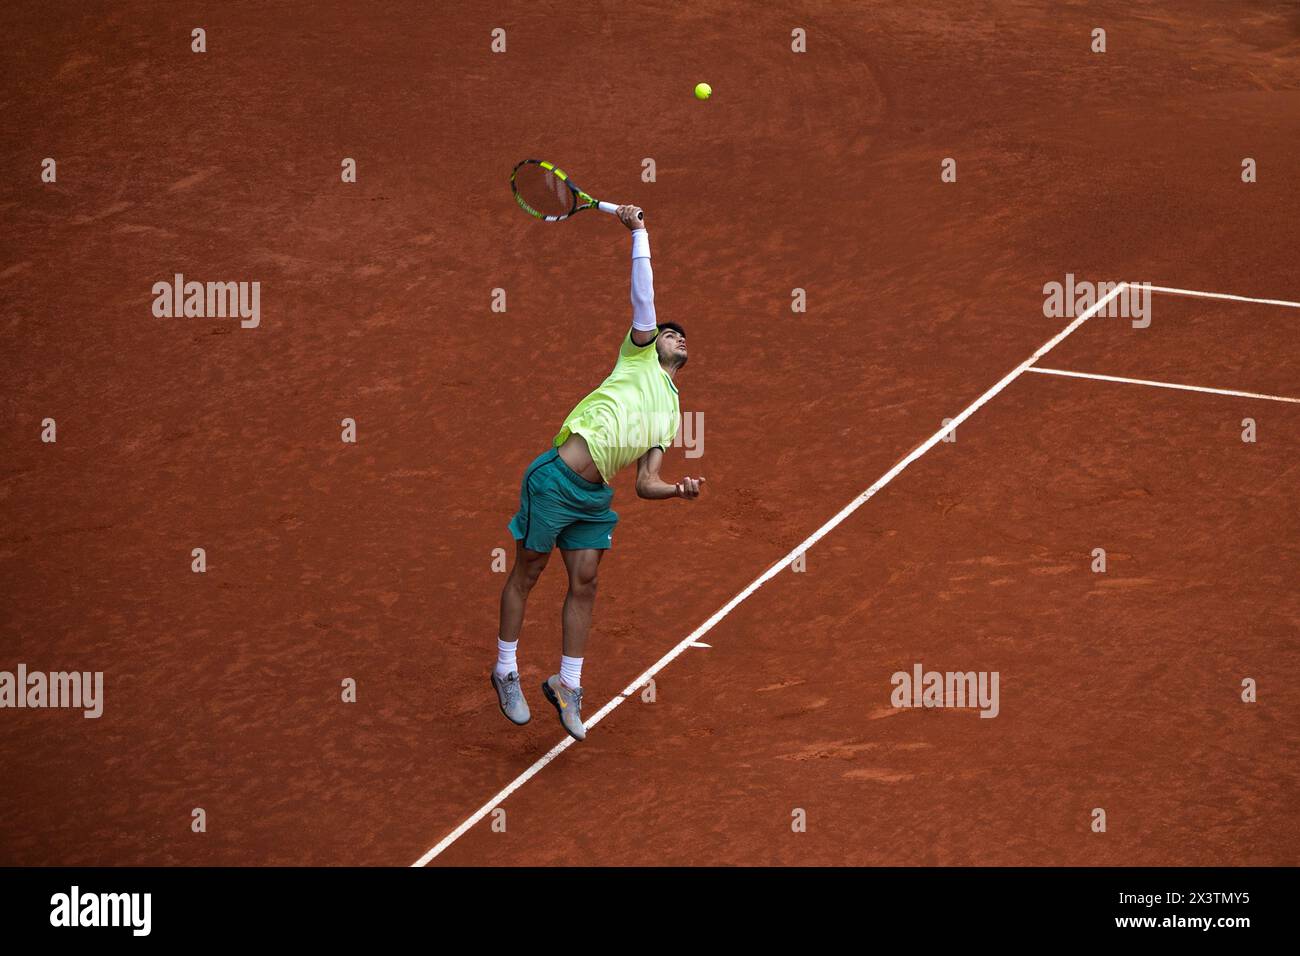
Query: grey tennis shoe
(567,702)
(510,695)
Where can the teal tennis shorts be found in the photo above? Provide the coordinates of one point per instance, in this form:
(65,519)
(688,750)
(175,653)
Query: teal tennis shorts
(558,506)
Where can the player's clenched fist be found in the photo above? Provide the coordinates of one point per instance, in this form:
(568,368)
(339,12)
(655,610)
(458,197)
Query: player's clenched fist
(689,487)
(632,217)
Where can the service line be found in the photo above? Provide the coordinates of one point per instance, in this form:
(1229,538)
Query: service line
(1220,295)
(1144,381)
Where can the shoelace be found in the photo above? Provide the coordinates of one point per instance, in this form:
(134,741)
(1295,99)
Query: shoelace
(511,685)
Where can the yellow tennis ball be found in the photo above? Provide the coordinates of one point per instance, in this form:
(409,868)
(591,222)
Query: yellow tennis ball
(703,91)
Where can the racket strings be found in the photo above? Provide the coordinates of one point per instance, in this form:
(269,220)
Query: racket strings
(546,193)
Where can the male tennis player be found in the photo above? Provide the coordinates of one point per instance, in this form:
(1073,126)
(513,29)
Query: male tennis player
(565,495)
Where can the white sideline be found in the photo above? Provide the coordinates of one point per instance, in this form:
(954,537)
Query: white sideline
(770,573)
(1220,295)
(1144,381)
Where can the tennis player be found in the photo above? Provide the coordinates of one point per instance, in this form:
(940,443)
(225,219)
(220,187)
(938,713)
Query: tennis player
(564,499)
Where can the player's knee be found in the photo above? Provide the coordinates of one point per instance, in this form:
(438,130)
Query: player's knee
(526,573)
(583,585)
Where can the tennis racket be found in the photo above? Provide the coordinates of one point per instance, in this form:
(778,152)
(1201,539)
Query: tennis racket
(545,191)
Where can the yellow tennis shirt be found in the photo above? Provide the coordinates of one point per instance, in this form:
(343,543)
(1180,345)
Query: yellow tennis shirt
(632,411)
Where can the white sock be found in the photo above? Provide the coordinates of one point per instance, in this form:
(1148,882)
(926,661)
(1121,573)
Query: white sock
(506,657)
(571,672)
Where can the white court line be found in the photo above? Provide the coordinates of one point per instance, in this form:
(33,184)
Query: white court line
(1218,295)
(1144,381)
(770,573)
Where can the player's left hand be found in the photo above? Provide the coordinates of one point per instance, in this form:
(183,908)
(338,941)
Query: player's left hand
(689,488)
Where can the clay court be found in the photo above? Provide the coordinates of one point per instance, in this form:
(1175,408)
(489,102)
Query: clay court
(820,171)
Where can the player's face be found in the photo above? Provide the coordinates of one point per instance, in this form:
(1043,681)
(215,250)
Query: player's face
(672,347)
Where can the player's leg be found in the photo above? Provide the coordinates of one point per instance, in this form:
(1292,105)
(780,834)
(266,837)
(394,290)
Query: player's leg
(514,598)
(542,515)
(582,566)
(527,569)
(582,542)
(534,528)
(564,690)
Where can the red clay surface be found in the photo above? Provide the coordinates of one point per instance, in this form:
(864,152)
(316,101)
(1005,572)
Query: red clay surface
(373,561)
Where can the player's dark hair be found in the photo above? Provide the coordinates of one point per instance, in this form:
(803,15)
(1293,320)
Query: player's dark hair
(676,328)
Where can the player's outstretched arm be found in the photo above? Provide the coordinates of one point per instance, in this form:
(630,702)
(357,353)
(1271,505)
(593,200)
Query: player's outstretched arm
(643,284)
(650,485)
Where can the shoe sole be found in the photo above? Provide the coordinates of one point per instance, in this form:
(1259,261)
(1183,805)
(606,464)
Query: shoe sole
(517,723)
(555,702)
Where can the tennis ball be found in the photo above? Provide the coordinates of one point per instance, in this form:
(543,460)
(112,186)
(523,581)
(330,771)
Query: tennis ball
(703,91)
